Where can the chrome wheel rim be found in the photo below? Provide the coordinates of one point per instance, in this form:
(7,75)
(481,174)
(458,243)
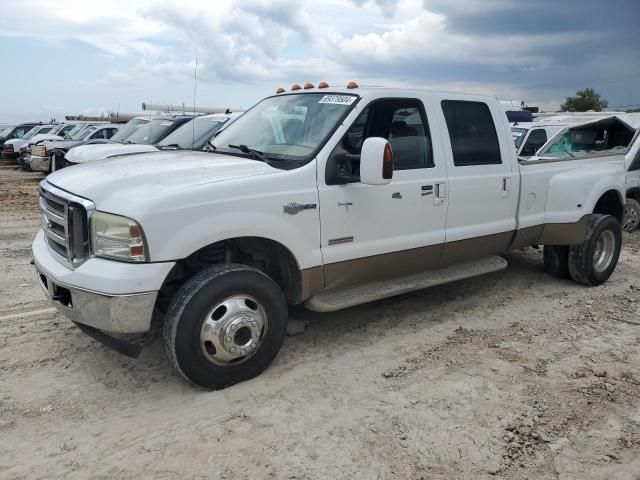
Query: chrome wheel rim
(233,330)
(603,253)
(631,219)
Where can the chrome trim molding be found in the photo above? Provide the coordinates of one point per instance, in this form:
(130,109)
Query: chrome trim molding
(59,208)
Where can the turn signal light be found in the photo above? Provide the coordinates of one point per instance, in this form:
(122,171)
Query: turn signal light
(387,162)
(280,90)
(323,85)
(308,85)
(352,85)
(295,86)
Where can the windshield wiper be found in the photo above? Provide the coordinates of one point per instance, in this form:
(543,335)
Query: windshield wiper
(257,154)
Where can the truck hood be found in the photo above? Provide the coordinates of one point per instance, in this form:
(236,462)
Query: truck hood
(61,144)
(17,143)
(90,153)
(142,178)
(44,137)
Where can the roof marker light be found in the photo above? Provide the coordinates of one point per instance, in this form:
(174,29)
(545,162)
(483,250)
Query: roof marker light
(280,90)
(295,86)
(352,85)
(323,85)
(308,85)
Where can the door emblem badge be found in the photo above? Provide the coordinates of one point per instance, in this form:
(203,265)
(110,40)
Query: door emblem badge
(294,207)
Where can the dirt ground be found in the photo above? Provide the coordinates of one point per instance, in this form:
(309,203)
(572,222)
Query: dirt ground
(511,375)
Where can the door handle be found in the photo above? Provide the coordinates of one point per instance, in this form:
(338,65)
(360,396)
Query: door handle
(441,193)
(506,186)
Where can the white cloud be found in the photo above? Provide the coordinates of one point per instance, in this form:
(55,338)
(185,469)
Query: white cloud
(375,41)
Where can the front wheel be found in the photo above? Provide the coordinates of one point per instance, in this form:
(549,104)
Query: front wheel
(631,215)
(593,262)
(225,325)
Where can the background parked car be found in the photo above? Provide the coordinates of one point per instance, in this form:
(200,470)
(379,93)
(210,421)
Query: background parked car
(153,131)
(11,148)
(192,135)
(42,153)
(18,131)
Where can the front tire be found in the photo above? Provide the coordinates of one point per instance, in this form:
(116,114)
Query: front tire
(593,262)
(225,325)
(631,215)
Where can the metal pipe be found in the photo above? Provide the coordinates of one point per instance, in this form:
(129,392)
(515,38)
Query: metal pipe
(183,108)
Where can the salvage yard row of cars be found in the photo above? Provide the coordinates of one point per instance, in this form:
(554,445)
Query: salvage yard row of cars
(317,196)
(47,148)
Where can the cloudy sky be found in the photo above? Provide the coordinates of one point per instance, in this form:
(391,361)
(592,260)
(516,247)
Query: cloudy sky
(79,56)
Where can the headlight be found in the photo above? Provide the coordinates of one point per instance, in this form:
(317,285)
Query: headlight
(120,238)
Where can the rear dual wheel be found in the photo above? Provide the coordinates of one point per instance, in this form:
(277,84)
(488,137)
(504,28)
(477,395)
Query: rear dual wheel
(594,260)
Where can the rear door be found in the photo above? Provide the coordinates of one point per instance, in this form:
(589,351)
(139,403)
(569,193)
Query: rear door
(382,231)
(483,183)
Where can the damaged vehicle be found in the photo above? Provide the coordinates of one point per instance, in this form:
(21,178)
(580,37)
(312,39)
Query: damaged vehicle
(613,135)
(529,137)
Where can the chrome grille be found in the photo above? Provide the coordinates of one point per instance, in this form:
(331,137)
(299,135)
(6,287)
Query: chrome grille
(65,222)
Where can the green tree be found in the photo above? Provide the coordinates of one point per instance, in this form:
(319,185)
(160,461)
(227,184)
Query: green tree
(584,101)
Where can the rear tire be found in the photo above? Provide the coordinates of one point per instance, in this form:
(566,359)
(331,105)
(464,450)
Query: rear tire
(556,260)
(225,325)
(593,262)
(631,215)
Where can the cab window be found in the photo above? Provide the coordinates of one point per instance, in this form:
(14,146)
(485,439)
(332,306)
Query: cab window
(402,122)
(473,136)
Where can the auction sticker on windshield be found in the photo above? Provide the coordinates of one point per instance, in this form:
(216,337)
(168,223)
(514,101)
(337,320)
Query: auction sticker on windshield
(338,99)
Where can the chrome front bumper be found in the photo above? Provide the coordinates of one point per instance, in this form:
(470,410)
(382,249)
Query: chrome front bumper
(38,164)
(110,313)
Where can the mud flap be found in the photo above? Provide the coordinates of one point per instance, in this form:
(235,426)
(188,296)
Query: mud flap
(125,348)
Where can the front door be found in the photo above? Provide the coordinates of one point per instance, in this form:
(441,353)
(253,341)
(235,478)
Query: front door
(383,231)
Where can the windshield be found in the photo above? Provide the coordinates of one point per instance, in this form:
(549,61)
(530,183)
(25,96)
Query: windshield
(287,127)
(43,130)
(30,133)
(84,135)
(149,133)
(518,135)
(130,127)
(194,134)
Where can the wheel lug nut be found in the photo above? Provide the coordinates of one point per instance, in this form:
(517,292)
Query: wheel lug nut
(233,327)
(254,324)
(228,339)
(233,350)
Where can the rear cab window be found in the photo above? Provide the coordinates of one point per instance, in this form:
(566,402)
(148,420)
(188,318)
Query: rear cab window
(472,133)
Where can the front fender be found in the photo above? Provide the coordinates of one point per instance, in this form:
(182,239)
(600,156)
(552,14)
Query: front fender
(176,227)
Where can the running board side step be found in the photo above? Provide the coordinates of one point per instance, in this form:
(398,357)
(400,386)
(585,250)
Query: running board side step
(339,298)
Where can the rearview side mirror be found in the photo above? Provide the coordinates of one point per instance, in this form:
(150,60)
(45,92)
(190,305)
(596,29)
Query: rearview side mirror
(376,162)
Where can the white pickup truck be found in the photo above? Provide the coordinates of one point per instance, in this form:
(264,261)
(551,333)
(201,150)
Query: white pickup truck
(327,197)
